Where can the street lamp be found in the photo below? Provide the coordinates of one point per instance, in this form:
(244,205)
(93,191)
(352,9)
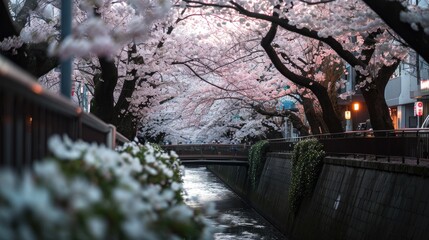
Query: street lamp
(356,106)
(347,115)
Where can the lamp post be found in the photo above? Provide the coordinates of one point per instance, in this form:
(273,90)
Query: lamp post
(348,117)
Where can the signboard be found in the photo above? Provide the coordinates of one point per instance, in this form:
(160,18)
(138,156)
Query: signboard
(73,88)
(418,109)
(424,85)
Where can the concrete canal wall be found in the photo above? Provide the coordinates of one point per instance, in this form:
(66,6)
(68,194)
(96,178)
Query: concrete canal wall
(352,199)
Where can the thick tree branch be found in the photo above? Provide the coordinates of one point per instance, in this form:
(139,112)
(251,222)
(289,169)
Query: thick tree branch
(194,4)
(203,79)
(289,60)
(316,2)
(329,116)
(24,13)
(7,27)
(369,44)
(31,57)
(284,23)
(390,12)
(384,74)
(296,121)
(298,79)
(261,110)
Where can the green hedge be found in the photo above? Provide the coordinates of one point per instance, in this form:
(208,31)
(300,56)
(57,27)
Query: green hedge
(307,159)
(257,160)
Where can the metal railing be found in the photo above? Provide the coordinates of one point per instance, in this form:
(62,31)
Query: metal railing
(120,139)
(29,115)
(209,151)
(392,145)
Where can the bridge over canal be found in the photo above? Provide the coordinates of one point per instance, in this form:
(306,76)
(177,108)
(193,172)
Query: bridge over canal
(211,154)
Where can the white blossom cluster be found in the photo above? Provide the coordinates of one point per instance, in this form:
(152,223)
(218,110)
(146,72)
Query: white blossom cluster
(85,191)
(11,43)
(118,23)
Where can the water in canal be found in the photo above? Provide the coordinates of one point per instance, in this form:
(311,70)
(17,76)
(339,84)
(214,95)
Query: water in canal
(234,219)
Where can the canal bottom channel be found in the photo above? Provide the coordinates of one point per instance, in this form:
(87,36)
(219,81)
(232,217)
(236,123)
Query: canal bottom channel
(234,219)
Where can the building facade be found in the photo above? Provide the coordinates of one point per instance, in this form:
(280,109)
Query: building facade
(409,84)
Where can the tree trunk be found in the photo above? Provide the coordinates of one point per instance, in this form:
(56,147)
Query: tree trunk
(7,28)
(126,125)
(377,109)
(33,58)
(298,124)
(312,117)
(102,103)
(375,100)
(330,118)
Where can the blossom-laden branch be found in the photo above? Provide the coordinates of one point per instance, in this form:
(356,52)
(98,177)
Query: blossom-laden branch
(203,79)
(409,23)
(319,91)
(295,119)
(317,2)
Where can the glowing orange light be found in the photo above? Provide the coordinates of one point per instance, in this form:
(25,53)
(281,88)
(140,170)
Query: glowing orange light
(29,121)
(37,89)
(356,106)
(78,110)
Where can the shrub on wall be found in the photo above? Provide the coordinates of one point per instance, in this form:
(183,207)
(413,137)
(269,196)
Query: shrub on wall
(257,160)
(85,191)
(307,163)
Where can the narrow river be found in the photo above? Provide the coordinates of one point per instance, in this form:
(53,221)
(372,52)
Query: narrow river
(234,218)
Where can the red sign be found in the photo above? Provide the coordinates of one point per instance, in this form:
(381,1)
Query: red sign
(418,108)
(73,87)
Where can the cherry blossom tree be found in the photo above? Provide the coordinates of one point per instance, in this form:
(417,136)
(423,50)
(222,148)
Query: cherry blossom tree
(304,69)
(408,20)
(240,55)
(115,44)
(26,48)
(211,116)
(232,88)
(350,29)
(241,72)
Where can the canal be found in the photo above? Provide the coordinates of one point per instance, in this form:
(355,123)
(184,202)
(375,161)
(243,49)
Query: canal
(234,219)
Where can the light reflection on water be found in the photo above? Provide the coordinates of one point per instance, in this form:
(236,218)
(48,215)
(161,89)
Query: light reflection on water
(234,220)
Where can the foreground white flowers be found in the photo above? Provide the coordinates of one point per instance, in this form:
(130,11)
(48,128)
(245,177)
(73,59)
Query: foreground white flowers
(91,192)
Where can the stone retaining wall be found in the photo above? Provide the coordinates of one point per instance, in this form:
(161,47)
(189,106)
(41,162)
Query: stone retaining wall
(352,199)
